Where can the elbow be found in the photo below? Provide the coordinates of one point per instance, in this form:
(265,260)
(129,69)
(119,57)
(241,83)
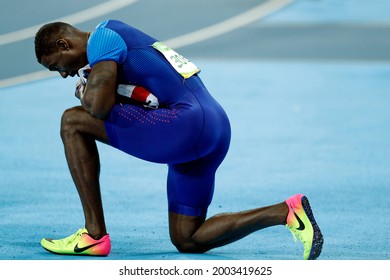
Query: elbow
(100,113)
(98,108)
(100,116)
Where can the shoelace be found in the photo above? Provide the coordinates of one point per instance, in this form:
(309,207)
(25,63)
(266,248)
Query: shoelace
(296,234)
(71,238)
(292,232)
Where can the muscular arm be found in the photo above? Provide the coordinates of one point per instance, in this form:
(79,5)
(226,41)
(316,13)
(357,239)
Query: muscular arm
(99,95)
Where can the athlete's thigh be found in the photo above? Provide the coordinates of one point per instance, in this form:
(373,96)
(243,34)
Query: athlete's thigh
(190,185)
(164,135)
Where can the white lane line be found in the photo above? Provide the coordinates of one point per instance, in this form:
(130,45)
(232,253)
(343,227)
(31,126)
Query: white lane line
(228,25)
(225,26)
(30,77)
(75,18)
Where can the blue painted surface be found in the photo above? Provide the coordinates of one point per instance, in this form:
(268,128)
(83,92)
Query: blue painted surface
(314,128)
(317,127)
(341,11)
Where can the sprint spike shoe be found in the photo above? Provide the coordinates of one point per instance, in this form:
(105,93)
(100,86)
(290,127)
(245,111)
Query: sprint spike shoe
(80,243)
(301,223)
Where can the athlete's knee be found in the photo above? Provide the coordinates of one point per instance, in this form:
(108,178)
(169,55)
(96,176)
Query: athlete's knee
(182,229)
(69,121)
(188,245)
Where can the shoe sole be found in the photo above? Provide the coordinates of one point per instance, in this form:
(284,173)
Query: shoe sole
(318,239)
(74,254)
(71,253)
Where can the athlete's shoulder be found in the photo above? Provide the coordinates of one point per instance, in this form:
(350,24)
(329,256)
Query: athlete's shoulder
(111,23)
(109,31)
(101,24)
(106,43)
(120,27)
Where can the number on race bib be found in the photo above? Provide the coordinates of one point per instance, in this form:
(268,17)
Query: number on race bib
(181,64)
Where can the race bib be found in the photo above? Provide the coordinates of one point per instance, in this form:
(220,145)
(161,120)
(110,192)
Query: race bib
(181,64)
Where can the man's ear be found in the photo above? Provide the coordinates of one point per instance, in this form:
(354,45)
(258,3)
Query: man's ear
(62,44)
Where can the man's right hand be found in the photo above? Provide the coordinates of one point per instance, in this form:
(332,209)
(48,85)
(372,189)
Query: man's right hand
(82,82)
(80,87)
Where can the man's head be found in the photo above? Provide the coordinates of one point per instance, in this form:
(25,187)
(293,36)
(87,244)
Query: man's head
(61,47)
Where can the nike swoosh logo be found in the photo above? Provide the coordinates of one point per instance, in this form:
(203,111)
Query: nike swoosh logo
(301,224)
(82,249)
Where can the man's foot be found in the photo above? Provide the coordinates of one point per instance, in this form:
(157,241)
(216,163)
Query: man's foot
(301,223)
(80,243)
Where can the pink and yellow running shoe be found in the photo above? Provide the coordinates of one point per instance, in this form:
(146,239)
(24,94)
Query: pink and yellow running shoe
(80,243)
(301,223)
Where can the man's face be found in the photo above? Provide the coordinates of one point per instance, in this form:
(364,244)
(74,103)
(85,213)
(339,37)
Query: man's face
(66,62)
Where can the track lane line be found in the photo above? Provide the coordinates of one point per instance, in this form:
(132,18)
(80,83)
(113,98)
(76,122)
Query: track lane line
(76,18)
(228,25)
(203,34)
